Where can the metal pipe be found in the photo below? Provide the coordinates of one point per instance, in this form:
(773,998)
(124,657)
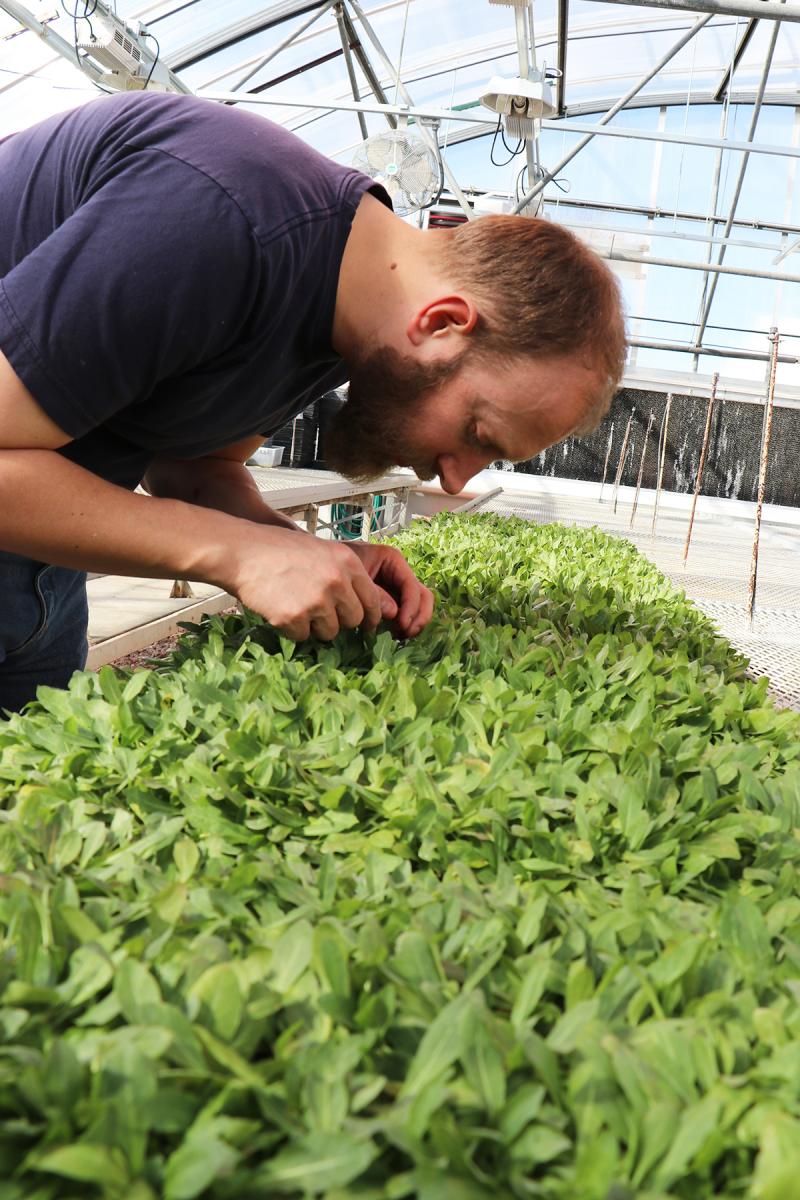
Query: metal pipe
(677,139)
(648,234)
(701,467)
(650,420)
(740,49)
(276,50)
(766,434)
(348,61)
(713,352)
(785,253)
(662,458)
(709,299)
(354,41)
(623,455)
(763,9)
(612,112)
(445,114)
(605,464)
(561,61)
(660,214)
(432,141)
(747,272)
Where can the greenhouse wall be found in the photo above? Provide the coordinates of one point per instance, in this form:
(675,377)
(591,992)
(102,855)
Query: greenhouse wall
(732,462)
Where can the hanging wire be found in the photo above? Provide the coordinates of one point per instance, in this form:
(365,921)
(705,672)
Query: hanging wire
(685,128)
(512,153)
(402,48)
(727,108)
(452,98)
(155,60)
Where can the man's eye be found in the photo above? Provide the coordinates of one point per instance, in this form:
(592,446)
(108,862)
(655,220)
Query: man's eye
(475,441)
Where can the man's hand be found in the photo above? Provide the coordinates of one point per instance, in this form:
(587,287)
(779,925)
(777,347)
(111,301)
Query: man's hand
(390,571)
(306,587)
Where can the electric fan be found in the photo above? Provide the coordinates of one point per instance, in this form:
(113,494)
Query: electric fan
(405,164)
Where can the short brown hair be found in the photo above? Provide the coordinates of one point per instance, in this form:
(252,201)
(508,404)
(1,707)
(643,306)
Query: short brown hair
(542,292)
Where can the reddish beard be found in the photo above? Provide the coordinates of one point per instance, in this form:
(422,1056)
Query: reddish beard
(374,431)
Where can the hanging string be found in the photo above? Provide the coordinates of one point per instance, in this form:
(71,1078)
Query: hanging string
(685,128)
(452,98)
(400,56)
(726,112)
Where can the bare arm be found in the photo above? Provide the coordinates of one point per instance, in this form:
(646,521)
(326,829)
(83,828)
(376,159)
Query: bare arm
(300,584)
(220,481)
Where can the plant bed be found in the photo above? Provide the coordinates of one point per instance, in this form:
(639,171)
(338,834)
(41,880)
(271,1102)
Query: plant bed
(510,910)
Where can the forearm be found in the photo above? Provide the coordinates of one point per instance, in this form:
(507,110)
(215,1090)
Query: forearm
(78,520)
(214,483)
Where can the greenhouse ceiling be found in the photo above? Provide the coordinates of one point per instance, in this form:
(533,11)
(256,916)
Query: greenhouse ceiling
(671,142)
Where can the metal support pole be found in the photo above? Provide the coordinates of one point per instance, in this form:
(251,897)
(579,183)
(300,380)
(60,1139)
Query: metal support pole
(766,434)
(766,10)
(622,456)
(712,287)
(612,112)
(701,467)
(348,62)
(744,41)
(276,50)
(662,458)
(354,42)
(561,62)
(685,264)
(312,517)
(431,139)
(605,464)
(650,420)
(711,223)
(713,352)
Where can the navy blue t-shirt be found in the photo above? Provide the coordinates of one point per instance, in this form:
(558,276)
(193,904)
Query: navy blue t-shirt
(168,275)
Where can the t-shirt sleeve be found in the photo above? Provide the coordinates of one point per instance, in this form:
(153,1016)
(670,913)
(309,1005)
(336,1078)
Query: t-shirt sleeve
(154,275)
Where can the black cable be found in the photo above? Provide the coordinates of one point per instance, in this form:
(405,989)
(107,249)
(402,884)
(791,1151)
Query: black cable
(155,60)
(514,154)
(723,328)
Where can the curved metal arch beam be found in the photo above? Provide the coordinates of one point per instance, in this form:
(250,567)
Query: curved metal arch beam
(276,14)
(766,10)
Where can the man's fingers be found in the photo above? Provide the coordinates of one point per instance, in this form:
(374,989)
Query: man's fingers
(349,609)
(325,627)
(388,604)
(296,631)
(370,597)
(427,602)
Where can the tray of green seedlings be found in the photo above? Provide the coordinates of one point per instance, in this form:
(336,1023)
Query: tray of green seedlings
(510,910)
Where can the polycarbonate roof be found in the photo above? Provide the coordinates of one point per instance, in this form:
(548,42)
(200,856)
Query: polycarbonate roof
(655,193)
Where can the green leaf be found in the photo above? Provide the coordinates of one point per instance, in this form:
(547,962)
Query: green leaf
(439,1048)
(85,1163)
(317,1163)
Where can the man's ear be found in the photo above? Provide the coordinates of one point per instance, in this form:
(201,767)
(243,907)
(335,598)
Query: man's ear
(447,316)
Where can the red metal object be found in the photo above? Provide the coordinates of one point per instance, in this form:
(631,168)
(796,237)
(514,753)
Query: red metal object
(766,434)
(701,467)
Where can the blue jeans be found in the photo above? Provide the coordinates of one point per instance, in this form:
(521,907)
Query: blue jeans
(43,620)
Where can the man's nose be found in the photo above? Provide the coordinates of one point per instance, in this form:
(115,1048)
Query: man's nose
(454,471)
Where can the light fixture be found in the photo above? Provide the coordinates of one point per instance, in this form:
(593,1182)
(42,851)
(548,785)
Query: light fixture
(521,102)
